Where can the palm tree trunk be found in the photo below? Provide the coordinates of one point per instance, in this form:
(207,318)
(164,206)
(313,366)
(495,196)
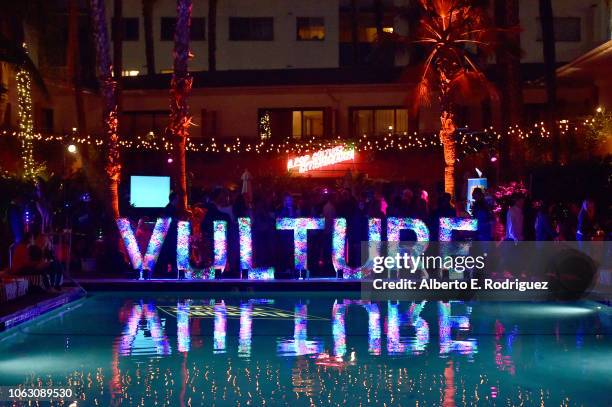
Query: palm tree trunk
(548,44)
(147,15)
(212,35)
(73,66)
(108,87)
(118,56)
(449,145)
(447,134)
(179,90)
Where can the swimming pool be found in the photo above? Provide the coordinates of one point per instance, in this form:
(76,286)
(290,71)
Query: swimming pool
(314,349)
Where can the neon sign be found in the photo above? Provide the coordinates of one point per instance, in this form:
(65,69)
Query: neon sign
(321,159)
(299,227)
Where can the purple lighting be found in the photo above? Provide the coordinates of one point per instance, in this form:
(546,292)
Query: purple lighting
(339,248)
(300,228)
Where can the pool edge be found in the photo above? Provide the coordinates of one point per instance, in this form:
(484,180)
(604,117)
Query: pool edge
(41,308)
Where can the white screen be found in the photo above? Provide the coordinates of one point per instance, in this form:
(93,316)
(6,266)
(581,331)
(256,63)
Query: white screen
(149,192)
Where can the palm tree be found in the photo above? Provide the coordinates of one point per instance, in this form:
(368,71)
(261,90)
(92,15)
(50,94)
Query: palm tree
(147,16)
(118,32)
(108,87)
(450,70)
(548,45)
(180,87)
(212,35)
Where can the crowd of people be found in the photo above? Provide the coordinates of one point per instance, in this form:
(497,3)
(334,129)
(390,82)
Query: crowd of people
(519,219)
(35,221)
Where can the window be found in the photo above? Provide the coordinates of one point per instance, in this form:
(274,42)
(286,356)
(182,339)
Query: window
(197,31)
(251,29)
(293,123)
(370,34)
(379,121)
(130,29)
(567,29)
(307,123)
(148,124)
(310,29)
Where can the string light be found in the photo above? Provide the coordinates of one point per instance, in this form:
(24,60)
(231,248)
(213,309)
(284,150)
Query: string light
(468,141)
(265,131)
(26,122)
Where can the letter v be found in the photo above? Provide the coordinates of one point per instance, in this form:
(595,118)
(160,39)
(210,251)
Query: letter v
(153,248)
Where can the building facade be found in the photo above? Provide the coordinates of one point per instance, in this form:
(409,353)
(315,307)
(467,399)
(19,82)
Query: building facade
(311,69)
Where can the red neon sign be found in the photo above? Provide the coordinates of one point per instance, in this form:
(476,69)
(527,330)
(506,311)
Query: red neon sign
(321,159)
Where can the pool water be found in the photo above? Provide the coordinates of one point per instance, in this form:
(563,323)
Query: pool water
(314,349)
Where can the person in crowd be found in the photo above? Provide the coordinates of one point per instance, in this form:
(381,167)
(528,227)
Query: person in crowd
(529,217)
(419,206)
(167,257)
(443,210)
(461,208)
(15,218)
(544,230)
(225,204)
(568,220)
(482,213)
(43,206)
(288,208)
(375,209)
(143,233)
(587,227)
(171,209)
(41,263)
(19,255)
(406,206)
(515,219)
(218,200)
(329,212)
(241,209)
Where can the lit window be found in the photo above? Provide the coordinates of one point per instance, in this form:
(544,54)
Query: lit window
(379,121)
(310,29)
(312,123)
(307,123)
(370,34)
(292,123)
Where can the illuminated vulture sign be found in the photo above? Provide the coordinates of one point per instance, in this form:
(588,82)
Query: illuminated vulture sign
(297,226)
(320,159)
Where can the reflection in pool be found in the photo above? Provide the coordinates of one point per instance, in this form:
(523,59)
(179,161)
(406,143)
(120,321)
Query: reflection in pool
(313,349)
